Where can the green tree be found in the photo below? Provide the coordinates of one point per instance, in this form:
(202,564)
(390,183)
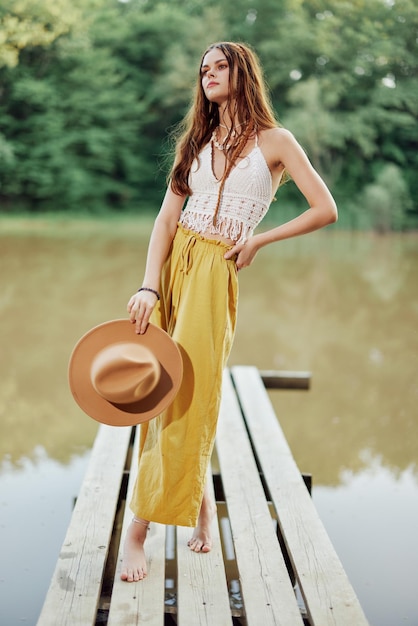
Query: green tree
(367,70)
(90,89)
(26,24)
(87,128)
(387,199)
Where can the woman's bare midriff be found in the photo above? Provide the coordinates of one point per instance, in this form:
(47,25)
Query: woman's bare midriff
(228,242)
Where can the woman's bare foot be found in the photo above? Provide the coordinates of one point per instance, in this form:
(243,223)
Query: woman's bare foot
(201,540)
(134,563)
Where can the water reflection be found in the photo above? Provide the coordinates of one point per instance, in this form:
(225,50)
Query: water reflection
(36,504)
(343,306)
(372,518)
(56,285)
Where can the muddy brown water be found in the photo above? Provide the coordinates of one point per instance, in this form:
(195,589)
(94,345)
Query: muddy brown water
(343,306)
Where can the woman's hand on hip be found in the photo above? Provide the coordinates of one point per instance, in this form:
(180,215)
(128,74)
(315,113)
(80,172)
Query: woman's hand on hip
(140,307)
(244,253)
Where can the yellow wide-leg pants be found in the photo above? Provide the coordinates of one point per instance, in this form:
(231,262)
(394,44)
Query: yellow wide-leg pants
(198,307)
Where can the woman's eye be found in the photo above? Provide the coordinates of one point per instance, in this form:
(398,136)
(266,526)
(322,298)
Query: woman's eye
(221,66)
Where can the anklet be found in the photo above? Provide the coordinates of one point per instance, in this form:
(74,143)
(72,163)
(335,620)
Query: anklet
(140,521)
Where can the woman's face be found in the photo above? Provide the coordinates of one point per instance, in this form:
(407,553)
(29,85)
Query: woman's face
(215,76)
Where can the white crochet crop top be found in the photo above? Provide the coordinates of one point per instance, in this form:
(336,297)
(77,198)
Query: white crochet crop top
(246,196)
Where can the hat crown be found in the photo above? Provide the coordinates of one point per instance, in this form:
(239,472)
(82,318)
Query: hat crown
(122,378)
(124,372)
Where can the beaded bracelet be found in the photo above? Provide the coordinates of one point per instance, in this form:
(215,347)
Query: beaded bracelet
(151,290)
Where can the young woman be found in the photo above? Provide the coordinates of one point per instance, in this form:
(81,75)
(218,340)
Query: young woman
(230,159)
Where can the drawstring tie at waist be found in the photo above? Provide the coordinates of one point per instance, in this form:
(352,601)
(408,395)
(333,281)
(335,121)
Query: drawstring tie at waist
(186,255)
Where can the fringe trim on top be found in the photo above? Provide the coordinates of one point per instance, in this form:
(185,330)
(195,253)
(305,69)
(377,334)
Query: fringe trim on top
(228,227)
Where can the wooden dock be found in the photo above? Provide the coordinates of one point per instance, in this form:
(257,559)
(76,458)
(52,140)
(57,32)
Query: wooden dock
(272,562)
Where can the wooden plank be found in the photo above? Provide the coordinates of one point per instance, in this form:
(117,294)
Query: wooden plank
(267,592)
(202,591)
(74,592)
(277,379)
(327,592)
(140,602)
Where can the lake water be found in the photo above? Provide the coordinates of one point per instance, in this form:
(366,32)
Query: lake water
(343,306)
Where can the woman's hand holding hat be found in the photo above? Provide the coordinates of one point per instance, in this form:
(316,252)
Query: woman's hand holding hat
(140,307)
(121,378)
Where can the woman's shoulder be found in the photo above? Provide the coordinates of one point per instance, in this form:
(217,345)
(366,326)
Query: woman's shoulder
(277,135)
(277,144)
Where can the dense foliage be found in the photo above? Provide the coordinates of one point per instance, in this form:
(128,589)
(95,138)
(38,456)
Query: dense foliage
(90,90)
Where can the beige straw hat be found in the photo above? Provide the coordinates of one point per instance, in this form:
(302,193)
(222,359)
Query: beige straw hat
(121,378)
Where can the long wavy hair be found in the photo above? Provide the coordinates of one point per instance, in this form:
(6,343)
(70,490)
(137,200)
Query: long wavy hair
(249,104)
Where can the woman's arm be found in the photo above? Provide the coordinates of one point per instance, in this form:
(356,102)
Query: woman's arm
(281,146)
(141,304)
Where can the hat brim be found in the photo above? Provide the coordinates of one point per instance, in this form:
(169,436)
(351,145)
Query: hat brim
(79,373)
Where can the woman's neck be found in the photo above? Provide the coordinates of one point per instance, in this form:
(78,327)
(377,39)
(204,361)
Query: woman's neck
(225,120)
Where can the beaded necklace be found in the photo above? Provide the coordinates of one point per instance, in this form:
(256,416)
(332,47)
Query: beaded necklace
(233,134)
